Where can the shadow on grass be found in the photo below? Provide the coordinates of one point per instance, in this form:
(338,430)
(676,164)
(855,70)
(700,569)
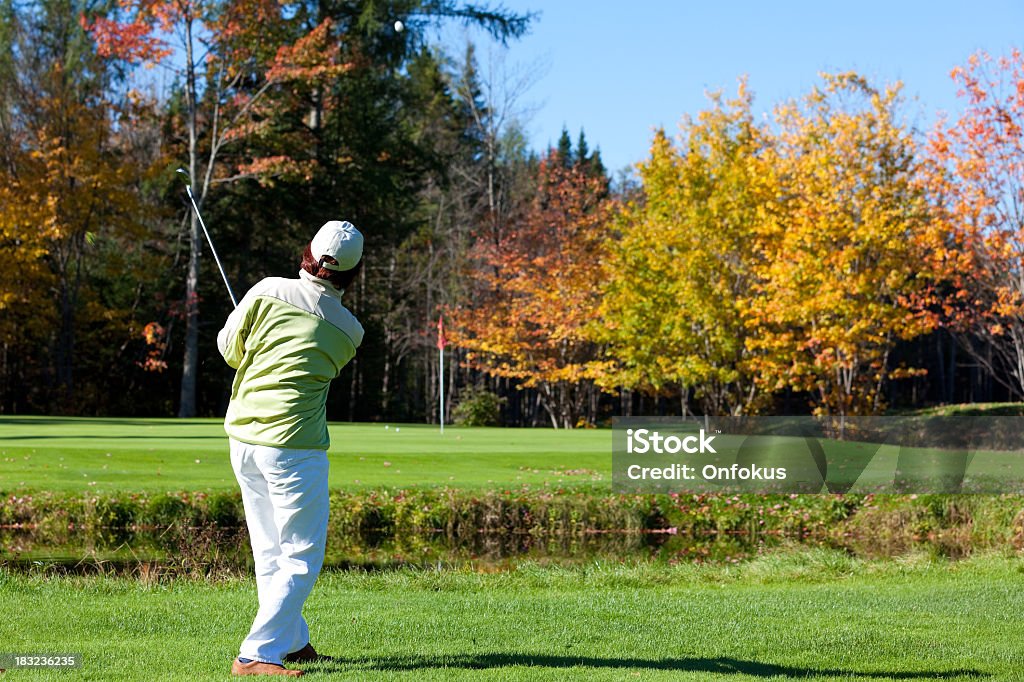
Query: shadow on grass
(720,665)
(44,420)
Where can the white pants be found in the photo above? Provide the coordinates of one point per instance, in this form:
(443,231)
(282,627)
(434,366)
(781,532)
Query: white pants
(284,493)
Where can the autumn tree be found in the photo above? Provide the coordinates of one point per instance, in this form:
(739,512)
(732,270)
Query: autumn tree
(229,54)
(392,145)
(24,313)
(979,173)
(539,287)
(682,263)
(67,196)
(303,95)
(845,248)
(203,41)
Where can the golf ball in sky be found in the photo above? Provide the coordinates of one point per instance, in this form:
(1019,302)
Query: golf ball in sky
(399,26)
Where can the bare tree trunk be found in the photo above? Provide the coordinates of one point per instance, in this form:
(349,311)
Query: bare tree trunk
(187,402)
(595,404)
(389,337)
(6,394)
(65,340)
(952,372)
(880,383)
(431,389)
(451,364)
(384,388)
(69,258)
(355,388)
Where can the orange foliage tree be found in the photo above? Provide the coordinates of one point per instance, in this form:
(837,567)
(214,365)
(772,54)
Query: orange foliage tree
(979,171)
(537,289)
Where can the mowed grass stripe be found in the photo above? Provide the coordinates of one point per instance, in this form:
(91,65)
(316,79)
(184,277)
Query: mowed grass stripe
(937,621)
(110,455)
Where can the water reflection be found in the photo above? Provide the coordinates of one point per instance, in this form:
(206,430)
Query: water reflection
(205,551)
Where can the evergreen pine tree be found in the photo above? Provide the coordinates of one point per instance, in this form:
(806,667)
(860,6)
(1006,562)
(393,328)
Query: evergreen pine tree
(595,167)
(563,152)
(582,150)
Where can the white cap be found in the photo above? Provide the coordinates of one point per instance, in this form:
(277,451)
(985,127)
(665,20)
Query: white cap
(340,240)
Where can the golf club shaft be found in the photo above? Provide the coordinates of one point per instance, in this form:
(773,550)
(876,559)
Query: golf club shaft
(213,250)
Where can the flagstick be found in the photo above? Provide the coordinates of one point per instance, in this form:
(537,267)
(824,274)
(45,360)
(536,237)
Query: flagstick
(440,354)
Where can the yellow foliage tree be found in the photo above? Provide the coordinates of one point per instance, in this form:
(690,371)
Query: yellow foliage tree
(845,250)
(677,276)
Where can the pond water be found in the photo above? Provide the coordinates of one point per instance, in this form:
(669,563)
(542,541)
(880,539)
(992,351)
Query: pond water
(198,551)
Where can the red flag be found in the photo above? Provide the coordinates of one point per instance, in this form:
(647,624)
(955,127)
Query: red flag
(442,341)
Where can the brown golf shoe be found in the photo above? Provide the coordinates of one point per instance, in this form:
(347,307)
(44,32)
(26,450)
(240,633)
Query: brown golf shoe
(307,654)
(261,668)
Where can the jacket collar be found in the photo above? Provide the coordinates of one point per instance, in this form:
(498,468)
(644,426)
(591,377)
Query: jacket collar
(323,284)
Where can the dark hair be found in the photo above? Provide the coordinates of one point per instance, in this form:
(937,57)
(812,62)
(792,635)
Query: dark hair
(340,279)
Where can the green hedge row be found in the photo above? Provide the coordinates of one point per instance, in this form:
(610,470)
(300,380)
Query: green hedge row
(454,513)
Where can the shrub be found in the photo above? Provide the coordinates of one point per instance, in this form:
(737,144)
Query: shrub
(478,407)
(166,510)
(224,510)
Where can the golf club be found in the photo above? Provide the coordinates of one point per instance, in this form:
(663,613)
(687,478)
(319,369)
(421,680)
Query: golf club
(188,188)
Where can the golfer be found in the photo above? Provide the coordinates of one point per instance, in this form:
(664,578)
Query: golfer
(287,339)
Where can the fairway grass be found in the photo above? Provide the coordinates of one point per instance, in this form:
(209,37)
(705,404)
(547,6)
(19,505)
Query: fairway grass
(106,455)
(68,454)
(817,615)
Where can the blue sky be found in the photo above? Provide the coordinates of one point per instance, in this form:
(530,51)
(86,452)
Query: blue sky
(620,69)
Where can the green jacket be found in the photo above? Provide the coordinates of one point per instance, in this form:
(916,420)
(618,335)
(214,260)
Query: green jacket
(287,339)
